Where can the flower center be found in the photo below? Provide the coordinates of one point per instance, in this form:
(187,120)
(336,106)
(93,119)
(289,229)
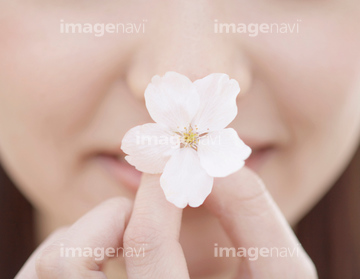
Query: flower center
(190,137)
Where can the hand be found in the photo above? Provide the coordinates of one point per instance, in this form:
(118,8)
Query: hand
(154,225)
(241,202)
(252,219)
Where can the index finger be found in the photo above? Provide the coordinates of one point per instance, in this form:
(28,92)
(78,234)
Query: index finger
(154,223)
(100,230)
(252,219)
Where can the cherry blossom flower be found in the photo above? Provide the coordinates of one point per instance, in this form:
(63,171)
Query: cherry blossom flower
(189,143)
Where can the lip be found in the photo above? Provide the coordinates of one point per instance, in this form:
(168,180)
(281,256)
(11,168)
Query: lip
(127,175)
(121,170)
(258,157)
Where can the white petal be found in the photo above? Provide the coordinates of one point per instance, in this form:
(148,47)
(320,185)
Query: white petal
(149,147)
(184,181)
(217,102)
(222,153)
(172,100)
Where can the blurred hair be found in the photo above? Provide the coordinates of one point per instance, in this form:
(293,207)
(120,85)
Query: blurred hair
(16,228)
(330,232)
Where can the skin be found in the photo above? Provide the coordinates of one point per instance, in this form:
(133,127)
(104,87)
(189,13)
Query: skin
(65,98)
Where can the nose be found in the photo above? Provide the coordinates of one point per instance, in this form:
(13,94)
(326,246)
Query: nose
(185,42)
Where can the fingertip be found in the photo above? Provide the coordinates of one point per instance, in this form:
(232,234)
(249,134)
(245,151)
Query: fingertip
(246,180)
(151,179)
(151,193)
(235,192)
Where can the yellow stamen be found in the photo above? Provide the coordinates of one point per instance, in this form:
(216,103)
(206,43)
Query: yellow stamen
(190,138)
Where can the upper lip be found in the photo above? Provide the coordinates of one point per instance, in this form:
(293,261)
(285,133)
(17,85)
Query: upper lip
(256,144)
(114,151)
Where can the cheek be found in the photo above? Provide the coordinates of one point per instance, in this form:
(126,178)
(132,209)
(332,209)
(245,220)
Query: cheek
(48,94)
(311,73)
(314,75)
(59,101)
(313,78)
(49,89)
(60,77)
(324,120)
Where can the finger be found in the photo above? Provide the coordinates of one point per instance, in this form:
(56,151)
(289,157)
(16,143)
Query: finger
(82,249)
(252,219)
(28,270)
(154,224)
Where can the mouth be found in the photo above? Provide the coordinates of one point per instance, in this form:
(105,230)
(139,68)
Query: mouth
(258,157)
(121,170)
(128,176)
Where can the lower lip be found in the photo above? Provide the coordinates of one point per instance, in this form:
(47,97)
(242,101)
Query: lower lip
(258,158)
(126,174)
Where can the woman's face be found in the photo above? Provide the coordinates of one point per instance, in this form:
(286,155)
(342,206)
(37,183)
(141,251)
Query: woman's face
(66,100)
